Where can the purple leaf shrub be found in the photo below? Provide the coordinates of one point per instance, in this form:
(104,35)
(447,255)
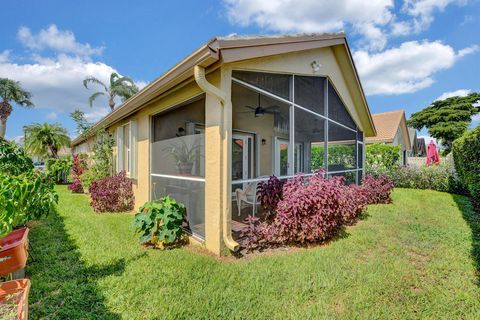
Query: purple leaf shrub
(269,194)
(313,209)
(378,190)
(112,194)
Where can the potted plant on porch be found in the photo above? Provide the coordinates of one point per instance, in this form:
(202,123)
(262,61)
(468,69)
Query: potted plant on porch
(14,299)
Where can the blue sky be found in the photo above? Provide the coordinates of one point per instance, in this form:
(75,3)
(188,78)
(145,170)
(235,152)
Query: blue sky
(408,52)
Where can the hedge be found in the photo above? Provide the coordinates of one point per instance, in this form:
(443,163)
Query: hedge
(466,154)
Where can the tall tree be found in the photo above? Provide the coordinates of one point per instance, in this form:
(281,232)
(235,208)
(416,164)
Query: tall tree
(11,91)
(83,125)
(122,87)
(45,140)
(446,120)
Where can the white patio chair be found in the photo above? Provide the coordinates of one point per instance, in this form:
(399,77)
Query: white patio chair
(248,195)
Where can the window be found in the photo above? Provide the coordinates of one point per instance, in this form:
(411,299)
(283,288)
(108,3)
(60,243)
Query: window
(288,124)
(178,160)
(126,146)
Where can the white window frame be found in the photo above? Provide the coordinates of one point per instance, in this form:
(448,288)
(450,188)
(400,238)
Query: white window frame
(129,164)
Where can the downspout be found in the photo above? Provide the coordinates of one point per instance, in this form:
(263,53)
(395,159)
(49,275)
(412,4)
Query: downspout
(206,86)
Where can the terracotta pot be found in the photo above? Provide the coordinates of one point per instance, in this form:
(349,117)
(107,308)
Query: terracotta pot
(13,251)
(20,287)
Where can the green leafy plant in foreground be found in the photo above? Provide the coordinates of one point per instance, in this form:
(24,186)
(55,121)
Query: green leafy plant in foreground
(160,222)
(13,159)
(25,197)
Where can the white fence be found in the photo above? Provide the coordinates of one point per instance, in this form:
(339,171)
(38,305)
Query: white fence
(420,161)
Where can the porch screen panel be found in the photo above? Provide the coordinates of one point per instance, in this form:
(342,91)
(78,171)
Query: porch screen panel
(341,148)
(278,84)
(178,161)
(260,135)
(309,142)
(309,93)
(337,110)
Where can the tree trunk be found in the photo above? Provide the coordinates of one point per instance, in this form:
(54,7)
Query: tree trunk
(3,127)
(111,103)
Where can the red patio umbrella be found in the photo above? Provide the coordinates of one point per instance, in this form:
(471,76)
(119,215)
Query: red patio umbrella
(432,154)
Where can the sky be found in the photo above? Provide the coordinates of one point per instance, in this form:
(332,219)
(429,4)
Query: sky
(408,53)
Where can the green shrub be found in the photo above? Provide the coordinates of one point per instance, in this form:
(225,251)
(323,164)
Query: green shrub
(87,179)
(160,222)
(466,154)
(13,159)
(24,197)
(59,168)
(440,177)
(381,159)
(102,158)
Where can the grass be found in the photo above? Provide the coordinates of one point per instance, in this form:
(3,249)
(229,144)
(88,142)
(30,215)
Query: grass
(416,258)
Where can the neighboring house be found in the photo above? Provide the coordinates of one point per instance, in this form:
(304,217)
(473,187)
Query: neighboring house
(414,143)
(392,129)
(233,113)
(421,147)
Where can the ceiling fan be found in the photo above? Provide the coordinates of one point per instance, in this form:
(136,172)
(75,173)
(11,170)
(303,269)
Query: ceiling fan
(260,111)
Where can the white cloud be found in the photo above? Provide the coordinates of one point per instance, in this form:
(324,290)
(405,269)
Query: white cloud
(366,17)
(57,40)
(4,56)
(422,11)
(56,82)
(52,116)
(456,93)
(374,20)
(404,69)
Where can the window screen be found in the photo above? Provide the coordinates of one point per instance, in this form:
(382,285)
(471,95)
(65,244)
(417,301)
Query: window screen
(337,110)
(309,93)
(278,84)
(309,142)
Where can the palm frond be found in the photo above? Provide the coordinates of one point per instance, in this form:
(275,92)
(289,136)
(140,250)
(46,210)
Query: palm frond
(94,80)
(94,96)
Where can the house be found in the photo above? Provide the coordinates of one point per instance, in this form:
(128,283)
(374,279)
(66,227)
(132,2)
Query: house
(233,113)
(392,129)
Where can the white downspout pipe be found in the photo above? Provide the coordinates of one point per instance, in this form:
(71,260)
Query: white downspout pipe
(226,102)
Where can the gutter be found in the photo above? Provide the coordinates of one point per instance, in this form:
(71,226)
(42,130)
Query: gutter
(199,73)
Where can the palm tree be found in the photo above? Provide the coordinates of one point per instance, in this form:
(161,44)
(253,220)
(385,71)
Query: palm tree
(122,87)
(11,90)
(44,139)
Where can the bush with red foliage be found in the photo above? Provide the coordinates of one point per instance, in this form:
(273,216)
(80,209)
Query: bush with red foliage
(112,194)
(313,210)
(78,168)
(269,194)
(377,190)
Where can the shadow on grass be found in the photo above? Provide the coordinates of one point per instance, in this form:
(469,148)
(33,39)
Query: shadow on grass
(472,217)
(63,287)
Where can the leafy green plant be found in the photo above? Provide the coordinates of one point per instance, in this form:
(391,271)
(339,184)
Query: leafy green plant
(160,222)
(466,154)
(102,158)
(381,158)
(13,159)
(59,168)
(23,198)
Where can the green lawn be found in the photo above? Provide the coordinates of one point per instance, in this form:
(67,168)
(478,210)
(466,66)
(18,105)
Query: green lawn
(416,258)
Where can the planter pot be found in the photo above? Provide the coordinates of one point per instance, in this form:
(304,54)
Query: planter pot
(185,168)
(13,251)
(14,299)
